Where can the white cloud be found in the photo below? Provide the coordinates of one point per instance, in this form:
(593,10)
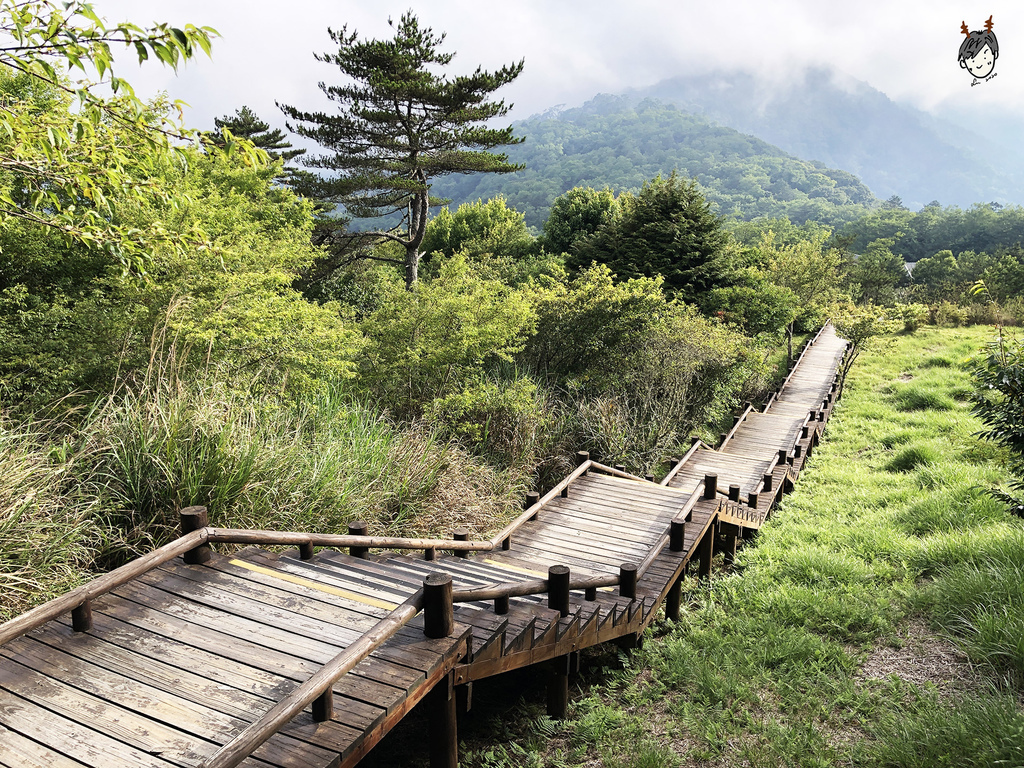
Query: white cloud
(577,48)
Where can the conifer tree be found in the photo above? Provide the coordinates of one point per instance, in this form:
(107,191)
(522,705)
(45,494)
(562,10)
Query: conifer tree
(399,125)
(244,124)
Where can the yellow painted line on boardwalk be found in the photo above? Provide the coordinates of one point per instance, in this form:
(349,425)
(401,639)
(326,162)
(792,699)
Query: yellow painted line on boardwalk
(528,572)
(516,568)
(316,585)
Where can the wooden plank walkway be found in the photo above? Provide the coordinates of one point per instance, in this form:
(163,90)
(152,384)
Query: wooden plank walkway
(176,664)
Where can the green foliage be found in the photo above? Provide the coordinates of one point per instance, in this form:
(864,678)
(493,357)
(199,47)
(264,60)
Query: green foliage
(875,274)
(224,300)
(588,326)
(999,403)
(67,152)
(755,305)
(401,125)
(666,230)
(609,142)
(913,316)
(478,228)
(576,215)
(434,341)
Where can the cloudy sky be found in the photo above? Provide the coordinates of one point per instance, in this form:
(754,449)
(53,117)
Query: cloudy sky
(577,48)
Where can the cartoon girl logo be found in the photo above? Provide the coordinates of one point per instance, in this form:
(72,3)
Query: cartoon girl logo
(978,53)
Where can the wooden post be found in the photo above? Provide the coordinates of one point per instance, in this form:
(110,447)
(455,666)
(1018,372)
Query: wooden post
(590,593)
(306,550)
(558,688)
(464,698)
(721,439)
(673,461)
(444,741)
(532,497)
(734,492)
(677,536)
(501,605)
(797,451)
(729,545)
(627,580)
(438,611)
(768,479)
(461,534)
(323,706)
(706,552)
(81,617)
(804,431)
(620,467)
(558,589)
(783,455)
(358,528)
(582,457)
(192,519)
(429,553)
(752,500)
(649,478)
(672,600)
(710,486)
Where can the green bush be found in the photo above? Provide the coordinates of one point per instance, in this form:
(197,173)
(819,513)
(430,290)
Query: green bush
(946,313)
(440,338)
(913,316)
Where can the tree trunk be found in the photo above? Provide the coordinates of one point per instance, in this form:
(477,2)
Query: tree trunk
(418,207)
(412,266)
(789,339)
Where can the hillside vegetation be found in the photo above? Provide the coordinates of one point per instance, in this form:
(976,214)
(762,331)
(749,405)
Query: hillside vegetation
(610,142)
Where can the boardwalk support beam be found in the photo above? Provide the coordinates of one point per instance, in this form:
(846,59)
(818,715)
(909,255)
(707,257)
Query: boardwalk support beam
(558,688)
(444,733)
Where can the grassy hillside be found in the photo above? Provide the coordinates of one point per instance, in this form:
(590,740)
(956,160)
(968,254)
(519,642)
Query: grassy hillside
(611,143)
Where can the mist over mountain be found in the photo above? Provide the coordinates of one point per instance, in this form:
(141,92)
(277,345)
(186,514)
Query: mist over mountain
(844,123)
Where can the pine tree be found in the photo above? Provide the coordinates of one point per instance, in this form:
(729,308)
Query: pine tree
(399,125)
(245,124)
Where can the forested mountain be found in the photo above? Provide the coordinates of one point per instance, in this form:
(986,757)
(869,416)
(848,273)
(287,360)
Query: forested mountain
(845,123)
(612,141)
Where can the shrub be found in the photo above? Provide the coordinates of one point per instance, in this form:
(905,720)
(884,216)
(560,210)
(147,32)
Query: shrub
(946,313)
(438,339)
(913,316)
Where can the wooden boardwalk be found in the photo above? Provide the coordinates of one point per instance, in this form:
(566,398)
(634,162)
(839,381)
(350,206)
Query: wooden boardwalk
(307,658)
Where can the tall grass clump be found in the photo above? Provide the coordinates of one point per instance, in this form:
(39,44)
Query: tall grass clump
(257,463)
(46,534)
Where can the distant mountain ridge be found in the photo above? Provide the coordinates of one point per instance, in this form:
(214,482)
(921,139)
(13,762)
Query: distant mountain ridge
(845,123)
(622,141)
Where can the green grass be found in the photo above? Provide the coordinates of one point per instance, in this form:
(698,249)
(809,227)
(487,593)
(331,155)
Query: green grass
(87,495)
(890,527)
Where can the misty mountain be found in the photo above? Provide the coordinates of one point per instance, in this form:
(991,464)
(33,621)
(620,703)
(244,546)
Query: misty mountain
(620,142)
(844,123)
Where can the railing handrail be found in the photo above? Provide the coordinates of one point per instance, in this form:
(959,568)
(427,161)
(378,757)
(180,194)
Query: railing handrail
(697,444)
(256,733)
(729,435)
(51,609)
